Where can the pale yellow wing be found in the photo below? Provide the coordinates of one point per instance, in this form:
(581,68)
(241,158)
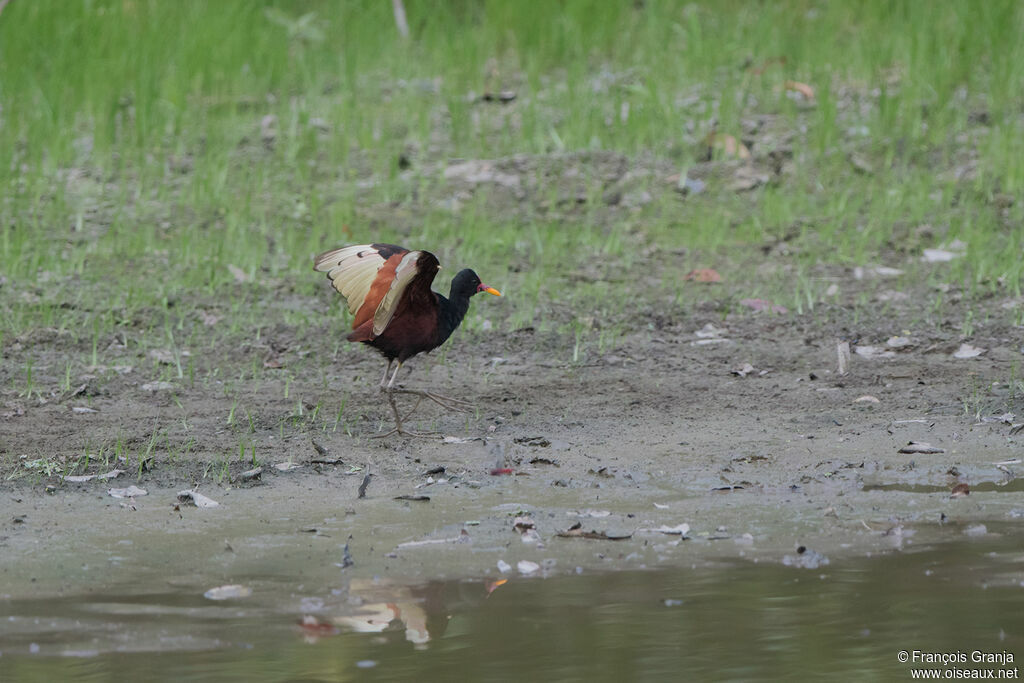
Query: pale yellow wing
(352,270)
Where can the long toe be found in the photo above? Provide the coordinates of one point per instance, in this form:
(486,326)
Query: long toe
(454,404)
(420,435)
(447,402)
(407,432)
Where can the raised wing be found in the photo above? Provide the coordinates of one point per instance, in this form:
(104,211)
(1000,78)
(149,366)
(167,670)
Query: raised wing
(356,269)
(373,278)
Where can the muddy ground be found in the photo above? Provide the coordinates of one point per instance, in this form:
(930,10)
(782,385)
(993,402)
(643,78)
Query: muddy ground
(666,429)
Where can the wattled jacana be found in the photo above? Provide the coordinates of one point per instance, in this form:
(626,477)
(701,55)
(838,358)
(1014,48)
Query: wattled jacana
(388,292)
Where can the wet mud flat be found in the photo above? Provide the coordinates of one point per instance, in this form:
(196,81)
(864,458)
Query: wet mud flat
(278,582)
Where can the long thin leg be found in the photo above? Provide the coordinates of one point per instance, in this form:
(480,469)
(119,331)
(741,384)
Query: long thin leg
(393,376)
(384,379)
(453,404)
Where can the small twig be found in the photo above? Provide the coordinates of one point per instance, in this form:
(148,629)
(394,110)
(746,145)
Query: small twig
(843,352)
(365,484)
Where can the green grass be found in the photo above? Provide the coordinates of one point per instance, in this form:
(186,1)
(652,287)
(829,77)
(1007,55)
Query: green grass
(151,145)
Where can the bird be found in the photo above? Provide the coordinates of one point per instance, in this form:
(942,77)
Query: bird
(387,288)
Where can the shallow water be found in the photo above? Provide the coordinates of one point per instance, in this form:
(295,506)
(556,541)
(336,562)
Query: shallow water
(739,621)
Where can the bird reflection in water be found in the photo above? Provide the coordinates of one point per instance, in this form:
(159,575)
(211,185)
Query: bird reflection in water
(421,612)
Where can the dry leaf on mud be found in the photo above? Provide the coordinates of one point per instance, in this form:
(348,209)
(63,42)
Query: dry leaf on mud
(461,538)
(130,492)
(166,356)
(709,331)
(228,592)
(521,524)
(968,351)
(686,185)
(458,439)
(920,447)
(937,256)
(80,478)
(410,497)
(874,352)
(240,275)
(703,275)
(946,253)
(287,466)
(747,177)
(251,475)
(960,491)
(802,88)
(861,272)
(1005,418)
(527,567)
(197,499)
(209,319)
(157,386)
(678,530)
(743,371)
(758,305)
(576,531)
(867,398)
(475,172)
(504,567)
(728,145)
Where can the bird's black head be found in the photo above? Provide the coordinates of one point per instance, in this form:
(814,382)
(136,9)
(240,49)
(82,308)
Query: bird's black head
(467,283)
(453,309)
